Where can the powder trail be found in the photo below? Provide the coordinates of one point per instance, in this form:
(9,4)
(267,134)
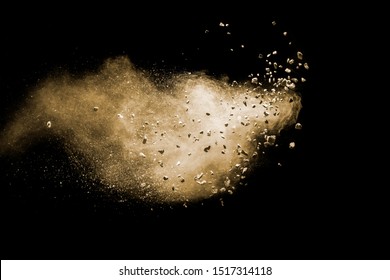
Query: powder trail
(189,141)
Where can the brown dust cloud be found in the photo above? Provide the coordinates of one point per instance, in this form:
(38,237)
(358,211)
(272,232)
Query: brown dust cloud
(195,138)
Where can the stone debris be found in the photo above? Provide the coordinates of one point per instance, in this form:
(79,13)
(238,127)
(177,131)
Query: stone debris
(181,178)
(270,140)
(48,124)
(300,55)
(199,176)
(291,145)
(298,126)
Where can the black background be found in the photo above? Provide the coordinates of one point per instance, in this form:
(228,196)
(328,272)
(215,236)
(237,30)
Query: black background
(325,204)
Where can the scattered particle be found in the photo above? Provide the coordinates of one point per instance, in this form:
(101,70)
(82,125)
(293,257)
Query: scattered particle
(260,56)
(142,155)
(306,65)
(177,146)
(165,177)
(288,70)
(206,149)
(300,55)
(95,108)
(161,151)
(270,140)
(209,133)
(275,52)
(291,145)
(290,85)
(274,23)
(221,24)
(284,33)
(254,80)
(226,182)
(298,126)
(48,124)
(120,116)
(144,140)
(207,114)
(178,163)
(303,79)
(198,176)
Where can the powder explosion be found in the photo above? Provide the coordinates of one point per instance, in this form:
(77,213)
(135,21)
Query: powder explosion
(196,138)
